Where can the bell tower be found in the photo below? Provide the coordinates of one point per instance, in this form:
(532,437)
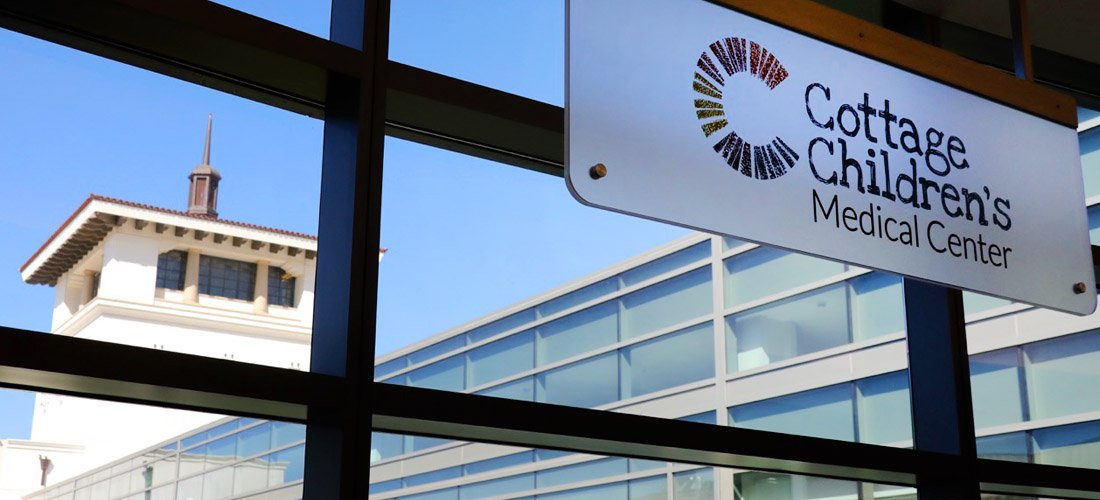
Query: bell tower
(202,197)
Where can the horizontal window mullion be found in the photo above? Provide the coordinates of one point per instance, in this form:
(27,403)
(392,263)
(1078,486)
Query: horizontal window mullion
(538,425)
(201,42)
(44,362)
(521,423)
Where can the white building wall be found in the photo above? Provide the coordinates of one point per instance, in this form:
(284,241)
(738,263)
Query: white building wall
(129,309)
(70,288)
(22,471)
(176,335)
(106,430)
(129,267)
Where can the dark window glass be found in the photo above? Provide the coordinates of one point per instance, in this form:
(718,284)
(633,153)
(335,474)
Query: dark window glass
(227,278)
(171,267)
(95,285)
(280,287)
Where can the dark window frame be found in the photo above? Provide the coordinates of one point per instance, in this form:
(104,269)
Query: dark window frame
(171,269)
(349,83)
(227,278)
(281,287)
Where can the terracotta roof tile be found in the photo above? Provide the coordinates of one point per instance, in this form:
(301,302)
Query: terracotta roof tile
(201,217)
(117,201)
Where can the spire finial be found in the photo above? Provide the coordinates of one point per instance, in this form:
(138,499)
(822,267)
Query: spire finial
(206,147)
(202,196)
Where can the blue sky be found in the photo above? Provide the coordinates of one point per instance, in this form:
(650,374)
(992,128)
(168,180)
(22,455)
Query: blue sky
(466,236)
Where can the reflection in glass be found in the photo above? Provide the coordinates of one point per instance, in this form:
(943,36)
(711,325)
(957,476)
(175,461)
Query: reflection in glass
(825,413)
(1057,371)
(499,359)
(1076,445)
(995,385)
(767,271)
(578,333)
(1012,447)
(884,411)
(877,306)
(1090,161)
(974,302)
(667,303)
(792,327)
(668,361)
(587,384)
(767,485)
(695,484)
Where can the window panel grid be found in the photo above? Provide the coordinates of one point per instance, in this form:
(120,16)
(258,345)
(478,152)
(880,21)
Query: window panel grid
(227,278)
(280,287)
(171,269)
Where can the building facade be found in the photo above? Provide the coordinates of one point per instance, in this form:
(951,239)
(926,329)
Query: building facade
(184,281)
(705,329)
(723,332)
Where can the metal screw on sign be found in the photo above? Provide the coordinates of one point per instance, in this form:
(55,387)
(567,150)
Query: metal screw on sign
(1080,287)
(598,171)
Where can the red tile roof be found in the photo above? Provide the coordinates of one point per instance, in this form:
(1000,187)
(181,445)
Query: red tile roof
(156,209)
(202,217)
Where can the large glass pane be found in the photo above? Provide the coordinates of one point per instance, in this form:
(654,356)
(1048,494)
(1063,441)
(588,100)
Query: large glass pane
(436,350)
(110,450)
(668,263)
(613,491)
(522,389)
(792,327)
(581,472)
(133,229)
(884,410)
(578,333)
(767,271)
(617,324)
(667,303)
(504,462)
(1061,374)
(1090,161)
(433,476)
(1076,445)
(1094,224)
(384,445)
(974,302)
(502,486)
(586,383)
(668,361)
(695,484)
(878,307)
(825,412)
(1011,446)
(500,359)
(558,474)
(775,486)
(510,322)
(654,488)
(995,385)
(578,297)
(518,44)
(447,374)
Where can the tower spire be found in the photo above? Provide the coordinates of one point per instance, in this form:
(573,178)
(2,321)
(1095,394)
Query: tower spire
(202,195)
(206,147)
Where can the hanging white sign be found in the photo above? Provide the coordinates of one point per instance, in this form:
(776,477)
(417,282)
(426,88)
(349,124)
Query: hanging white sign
(692,113)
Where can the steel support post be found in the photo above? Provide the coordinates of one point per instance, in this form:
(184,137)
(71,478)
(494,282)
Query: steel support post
(338,454)
(939,388)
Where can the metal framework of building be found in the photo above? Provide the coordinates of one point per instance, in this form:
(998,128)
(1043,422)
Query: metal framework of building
(362,96)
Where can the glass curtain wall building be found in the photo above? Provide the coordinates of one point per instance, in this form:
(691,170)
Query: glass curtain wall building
(788,343)
(231,458)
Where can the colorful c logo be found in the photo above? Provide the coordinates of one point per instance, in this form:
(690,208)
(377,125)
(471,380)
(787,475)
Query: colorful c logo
(737,55)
